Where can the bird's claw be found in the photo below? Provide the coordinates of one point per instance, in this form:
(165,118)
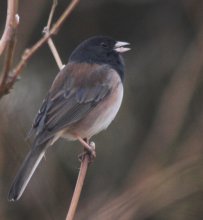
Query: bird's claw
(91,153)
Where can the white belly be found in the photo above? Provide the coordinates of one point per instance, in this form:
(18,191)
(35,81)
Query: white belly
(99,117)
(108,114)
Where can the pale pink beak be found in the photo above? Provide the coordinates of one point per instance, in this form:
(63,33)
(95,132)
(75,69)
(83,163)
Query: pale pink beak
(120,46)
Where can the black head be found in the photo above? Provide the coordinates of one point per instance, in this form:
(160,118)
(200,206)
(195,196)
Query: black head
(101,50)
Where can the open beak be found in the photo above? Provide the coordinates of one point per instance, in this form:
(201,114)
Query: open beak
(120,47)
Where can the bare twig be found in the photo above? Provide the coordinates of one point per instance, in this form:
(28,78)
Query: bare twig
(28,53)
(86,159)
(53,7)
(11,24)
(55,54)
(50,41)
(78,187)
(8,40)
(7,65)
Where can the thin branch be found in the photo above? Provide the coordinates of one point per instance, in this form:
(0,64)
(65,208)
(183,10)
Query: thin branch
(11,24)
(78,188)
(55,54)
(7,65)
(86,158)
(28,53)
(53,7)
(8,41)
(50,41)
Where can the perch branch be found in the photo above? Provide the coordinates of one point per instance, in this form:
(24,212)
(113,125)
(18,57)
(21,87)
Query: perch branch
(86,159)
(78,187)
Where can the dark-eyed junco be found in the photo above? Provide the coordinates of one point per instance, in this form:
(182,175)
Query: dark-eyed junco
(82,101)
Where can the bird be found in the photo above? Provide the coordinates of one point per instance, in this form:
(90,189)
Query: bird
(83,100)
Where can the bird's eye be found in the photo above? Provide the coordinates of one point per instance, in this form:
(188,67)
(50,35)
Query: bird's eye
(104,45)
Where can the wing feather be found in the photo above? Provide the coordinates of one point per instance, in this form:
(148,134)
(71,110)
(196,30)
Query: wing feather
(73,94)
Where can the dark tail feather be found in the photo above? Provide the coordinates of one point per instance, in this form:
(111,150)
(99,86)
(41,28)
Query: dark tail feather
(26,171)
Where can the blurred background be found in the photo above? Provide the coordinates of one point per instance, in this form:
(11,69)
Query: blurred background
(150,160)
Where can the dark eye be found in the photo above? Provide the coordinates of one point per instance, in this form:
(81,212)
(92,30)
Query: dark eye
(104,45)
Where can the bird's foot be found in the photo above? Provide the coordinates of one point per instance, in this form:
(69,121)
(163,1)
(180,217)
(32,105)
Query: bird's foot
(90,152)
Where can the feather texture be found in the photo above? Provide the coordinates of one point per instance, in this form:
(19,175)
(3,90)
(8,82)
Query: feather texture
(74,93)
